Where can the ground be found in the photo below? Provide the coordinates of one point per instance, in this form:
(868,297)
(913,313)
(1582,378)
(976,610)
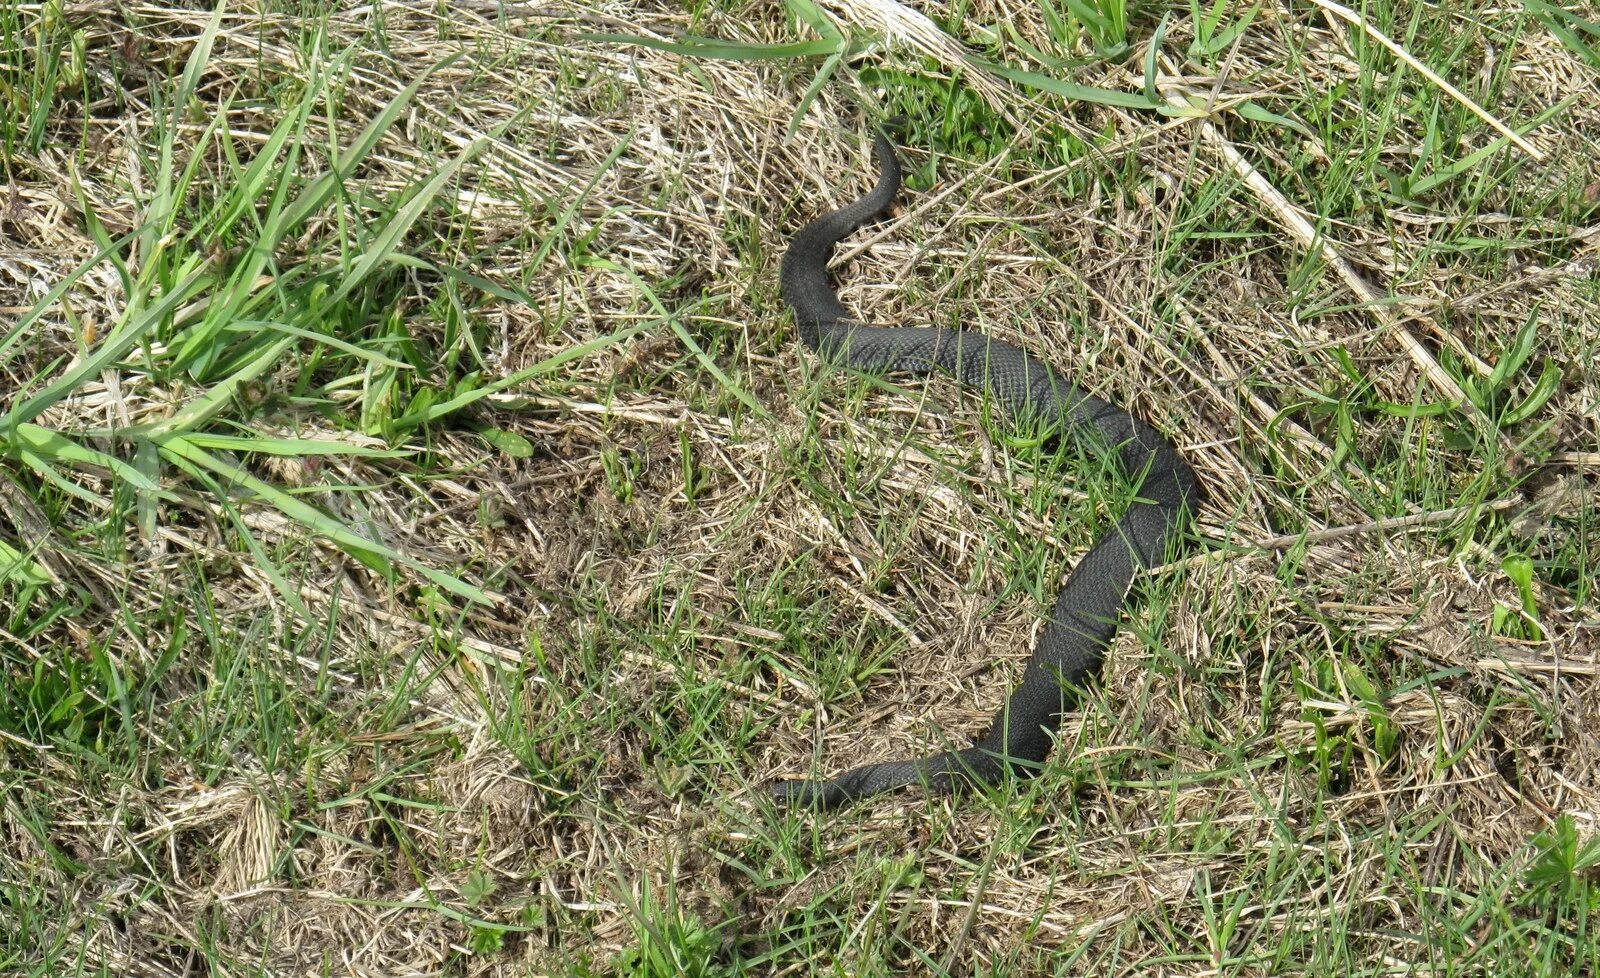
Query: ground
(422,536)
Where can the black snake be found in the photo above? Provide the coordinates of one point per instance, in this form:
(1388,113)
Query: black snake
(1084,618)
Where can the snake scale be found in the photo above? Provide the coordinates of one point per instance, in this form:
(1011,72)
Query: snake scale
(1084,618)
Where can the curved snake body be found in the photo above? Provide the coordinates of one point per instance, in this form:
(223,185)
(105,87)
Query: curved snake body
(1084,617)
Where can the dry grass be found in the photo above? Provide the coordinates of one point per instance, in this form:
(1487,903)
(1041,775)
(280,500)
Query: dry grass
(1318,748)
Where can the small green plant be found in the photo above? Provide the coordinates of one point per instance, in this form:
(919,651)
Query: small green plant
(487,940)
(1565,871)
(477,887)
(1211,36)
(1494,395)
(1385,733)
(1563,886)
(621,469)
(693,476)
(64,705)
(1105,21)
(1336,682)
(670,944)
(1518,622)
(214,308)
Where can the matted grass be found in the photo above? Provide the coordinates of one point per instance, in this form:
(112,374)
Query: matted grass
(422,537)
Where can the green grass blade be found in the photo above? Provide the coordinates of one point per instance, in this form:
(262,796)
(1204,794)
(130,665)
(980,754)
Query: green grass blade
(17,566)
(1256,113)
(219,396)
(324,185)
(1565,25)
(824,75)
(42,467)
(709,47)
(1072,90)
(436,411)
(113,348)
(1092,18)
(102,238)
(56,447)
(1472,160)
(695,349)
(266,165)
(161,209)
(809,13)
(1216,43)
(565,217)
(180,447)
(290,447)
(24,325)
(372,357)
(387,242)
(280,582)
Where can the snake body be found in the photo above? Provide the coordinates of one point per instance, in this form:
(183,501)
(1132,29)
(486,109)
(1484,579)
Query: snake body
(1084,619)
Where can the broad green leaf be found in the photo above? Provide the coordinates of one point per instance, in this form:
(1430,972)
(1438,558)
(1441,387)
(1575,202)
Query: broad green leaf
(507,442)
(17,566)
(1543,389)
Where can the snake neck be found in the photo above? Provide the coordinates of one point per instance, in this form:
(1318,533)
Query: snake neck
(803,277)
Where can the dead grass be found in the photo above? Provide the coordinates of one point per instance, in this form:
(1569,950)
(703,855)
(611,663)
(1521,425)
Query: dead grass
(1315,750)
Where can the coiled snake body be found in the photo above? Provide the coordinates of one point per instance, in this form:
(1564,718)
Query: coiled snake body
(1084,617)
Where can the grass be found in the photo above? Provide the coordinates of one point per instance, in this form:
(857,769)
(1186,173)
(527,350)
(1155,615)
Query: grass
(421,537)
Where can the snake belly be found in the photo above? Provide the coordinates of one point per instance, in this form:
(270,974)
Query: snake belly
(1084,618)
